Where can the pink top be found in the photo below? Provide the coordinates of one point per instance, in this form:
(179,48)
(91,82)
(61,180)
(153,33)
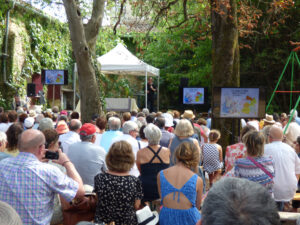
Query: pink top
(234,152)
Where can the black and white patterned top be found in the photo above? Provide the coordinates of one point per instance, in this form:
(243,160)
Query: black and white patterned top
(211,160)
(116,198)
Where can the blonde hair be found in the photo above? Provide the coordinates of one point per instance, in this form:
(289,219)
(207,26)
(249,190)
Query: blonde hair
(254,141)
(187,153)
(184,128)
(120,157)
(214,135)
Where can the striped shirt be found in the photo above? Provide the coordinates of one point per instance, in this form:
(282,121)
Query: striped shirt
(29,186)
(244,168)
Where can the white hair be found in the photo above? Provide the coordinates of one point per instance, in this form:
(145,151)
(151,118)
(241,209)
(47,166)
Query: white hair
(153,134)
(129,126)
(114,123)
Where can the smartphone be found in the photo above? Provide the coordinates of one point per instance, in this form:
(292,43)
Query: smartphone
(51,155)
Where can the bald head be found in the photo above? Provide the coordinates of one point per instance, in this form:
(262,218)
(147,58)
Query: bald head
(30,140)
(75,125)
(275,134)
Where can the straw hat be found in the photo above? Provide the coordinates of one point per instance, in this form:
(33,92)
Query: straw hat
(8,215)
(62,127)
(188,114)
(269,119)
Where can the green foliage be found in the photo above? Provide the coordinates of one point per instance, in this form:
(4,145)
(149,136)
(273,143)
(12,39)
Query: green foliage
(178,54)
(46,43)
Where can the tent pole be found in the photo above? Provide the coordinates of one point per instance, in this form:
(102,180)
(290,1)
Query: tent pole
(157,98)
(146,89)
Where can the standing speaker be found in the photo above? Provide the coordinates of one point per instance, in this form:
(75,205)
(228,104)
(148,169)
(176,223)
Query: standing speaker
(31,90)
(184,81)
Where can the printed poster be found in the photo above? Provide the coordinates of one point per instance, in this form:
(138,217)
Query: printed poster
(239,102)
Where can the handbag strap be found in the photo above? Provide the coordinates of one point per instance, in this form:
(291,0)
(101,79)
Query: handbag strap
(260,166)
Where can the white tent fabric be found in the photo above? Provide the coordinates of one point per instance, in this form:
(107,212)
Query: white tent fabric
(121,61)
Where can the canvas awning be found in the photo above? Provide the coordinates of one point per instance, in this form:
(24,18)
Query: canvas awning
(121,61)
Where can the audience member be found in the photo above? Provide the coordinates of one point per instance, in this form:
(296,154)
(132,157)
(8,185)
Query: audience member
(130,132)
(12,134)
(4,122)
(142,138)
(150,118)
(205,131)
(268,120)
(236,151)
(292,131)
(3,142)
(12,117)
(101,125)
(183,133)
(150,160)
(29,185)
(62,127)
(180,188)
(45,123)
(166,136)
(38,119)
(287,167)
(169,122)
(114,125)
(256,167)
(28,123)
(239,202)
(133,116)
(212,156)
(88,158)
(75,115)
(119,194)
(70,137)
(126,117)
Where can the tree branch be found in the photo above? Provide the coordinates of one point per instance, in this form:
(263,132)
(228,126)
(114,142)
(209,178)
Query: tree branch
(161,11)
(186,17)
(119,18)
(94,24)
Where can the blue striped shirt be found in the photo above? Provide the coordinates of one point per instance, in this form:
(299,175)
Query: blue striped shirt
(29,186)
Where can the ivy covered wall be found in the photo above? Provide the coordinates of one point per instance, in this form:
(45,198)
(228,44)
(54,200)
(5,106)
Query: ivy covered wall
(35,42)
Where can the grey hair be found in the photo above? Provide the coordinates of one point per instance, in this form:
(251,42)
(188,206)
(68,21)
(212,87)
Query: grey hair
(129,126)
(3,137)
(114,123)
(141,121)
(39,117)
(86,138)
(146,111)
(45,124)
(153,134)
(236,201)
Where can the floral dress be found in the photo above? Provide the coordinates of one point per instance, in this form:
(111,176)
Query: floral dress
(116,198)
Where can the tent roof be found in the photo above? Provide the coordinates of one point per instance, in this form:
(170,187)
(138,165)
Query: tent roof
(121,61)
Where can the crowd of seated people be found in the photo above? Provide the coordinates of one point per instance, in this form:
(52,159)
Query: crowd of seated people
(134,159)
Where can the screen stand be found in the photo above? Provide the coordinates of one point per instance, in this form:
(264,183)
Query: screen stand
(53,95)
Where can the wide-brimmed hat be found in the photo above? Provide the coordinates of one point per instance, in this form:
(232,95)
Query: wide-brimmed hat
(188,114)
(8,215)
(269,119)
(145,216)
(62,127)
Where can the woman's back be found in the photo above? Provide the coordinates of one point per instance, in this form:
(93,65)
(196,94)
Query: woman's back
(116,198)
(179,189)
(211,159)
(151,160)
(176,141)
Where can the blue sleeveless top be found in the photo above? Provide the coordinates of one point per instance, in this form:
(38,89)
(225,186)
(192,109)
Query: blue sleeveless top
(179,216)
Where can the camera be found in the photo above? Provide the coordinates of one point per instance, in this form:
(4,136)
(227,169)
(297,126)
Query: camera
(51,155)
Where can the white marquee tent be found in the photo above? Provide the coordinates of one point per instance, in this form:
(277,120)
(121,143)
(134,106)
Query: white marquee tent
(121,61)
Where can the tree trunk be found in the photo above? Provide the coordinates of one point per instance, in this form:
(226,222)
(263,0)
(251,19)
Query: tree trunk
(225,59)
(83,39)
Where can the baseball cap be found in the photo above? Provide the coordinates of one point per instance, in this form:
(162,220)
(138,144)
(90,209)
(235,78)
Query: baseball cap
(87,129)
(28,122)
